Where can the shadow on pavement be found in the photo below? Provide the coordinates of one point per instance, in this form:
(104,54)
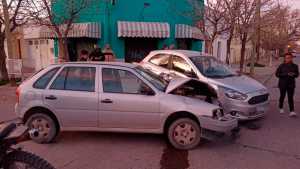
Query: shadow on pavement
(252,125)
(79,137)
(174,159)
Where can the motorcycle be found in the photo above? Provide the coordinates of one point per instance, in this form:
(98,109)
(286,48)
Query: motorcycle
(12,157)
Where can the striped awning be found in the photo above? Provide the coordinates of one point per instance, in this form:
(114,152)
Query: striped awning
(189,32)
(143,29)
(78,30)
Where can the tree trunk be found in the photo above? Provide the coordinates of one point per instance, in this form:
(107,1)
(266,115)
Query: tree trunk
(243,52)
(253,59)
(211,47)
(63,50)
(4,73)
(228,54)
(257,50)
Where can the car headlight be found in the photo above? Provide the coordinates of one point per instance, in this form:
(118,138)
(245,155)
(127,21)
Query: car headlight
(232,94)
(218,114)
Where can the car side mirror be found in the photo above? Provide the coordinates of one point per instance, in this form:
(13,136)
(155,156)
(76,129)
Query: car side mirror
(145,90)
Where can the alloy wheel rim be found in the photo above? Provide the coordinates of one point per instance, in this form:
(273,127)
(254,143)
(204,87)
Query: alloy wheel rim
(184,134)
(42,126)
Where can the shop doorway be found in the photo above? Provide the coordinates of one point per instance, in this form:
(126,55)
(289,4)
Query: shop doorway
(184,44)
(76,45)
(137,49)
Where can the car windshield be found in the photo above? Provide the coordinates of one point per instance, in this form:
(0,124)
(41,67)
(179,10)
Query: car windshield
(211,67)
(157,81)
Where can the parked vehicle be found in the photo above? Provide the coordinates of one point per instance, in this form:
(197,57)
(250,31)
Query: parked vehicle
(15,158)
(118,97)
(240,96)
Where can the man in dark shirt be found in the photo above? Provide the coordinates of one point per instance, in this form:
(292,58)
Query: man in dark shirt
(287,73)
(97,55)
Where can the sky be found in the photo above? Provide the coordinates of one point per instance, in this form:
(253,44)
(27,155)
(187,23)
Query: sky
(294,3)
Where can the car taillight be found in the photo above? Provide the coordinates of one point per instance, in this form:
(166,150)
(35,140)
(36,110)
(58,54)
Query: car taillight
(18,94)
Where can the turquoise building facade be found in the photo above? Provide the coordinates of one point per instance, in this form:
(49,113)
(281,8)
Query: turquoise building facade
(136,14)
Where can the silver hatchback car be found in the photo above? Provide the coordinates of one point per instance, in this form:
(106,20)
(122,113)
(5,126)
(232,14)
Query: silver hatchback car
(117,97)
(240,96)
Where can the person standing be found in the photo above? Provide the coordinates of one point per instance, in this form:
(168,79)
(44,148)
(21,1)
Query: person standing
(84,55)
(287,73)
(108,54)
(172,47)
(165,47)
(97,55)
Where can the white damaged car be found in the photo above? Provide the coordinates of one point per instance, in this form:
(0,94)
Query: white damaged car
(119,97)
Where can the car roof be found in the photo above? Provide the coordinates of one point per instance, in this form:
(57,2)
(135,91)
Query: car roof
(122,64)
(188,53)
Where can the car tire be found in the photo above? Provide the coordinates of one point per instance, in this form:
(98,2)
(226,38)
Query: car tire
(184,134)
(45,126)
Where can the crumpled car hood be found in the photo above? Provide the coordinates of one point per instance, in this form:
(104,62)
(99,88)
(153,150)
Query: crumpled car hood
(176,82)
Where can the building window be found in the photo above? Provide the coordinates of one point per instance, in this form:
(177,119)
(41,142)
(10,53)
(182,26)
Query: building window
(30,42)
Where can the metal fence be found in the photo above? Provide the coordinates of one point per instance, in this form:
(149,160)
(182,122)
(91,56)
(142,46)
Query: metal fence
(14,67)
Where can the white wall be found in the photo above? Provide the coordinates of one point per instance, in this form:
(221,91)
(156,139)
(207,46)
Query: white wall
(220,48)
(37,53)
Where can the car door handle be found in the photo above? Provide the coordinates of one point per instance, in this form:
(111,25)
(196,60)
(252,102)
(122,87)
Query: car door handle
(106,101)
(51,97)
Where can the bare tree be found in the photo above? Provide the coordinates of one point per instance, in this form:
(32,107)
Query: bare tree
(281,26)
(215,22)
(244,25)
(60,22)
(17,17)
(231,19)
(293,25)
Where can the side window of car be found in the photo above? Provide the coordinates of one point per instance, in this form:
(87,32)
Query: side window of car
(121,81)
(75,79)
(181,66)
(43,81)
(161,60)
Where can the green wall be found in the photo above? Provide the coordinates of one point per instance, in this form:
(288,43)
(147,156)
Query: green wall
(102,11)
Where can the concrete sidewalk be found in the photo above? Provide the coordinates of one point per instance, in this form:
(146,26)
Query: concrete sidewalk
(262,74)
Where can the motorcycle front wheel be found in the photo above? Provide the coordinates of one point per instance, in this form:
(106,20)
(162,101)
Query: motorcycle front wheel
(25,160)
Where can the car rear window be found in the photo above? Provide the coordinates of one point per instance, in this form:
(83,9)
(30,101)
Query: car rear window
(43,81)
(75,79)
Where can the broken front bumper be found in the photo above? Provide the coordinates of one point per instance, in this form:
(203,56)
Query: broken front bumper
(224,125)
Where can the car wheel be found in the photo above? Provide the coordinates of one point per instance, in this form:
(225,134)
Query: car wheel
(184,134)
(44,126)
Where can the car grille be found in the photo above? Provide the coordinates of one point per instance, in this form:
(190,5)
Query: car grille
(258,99)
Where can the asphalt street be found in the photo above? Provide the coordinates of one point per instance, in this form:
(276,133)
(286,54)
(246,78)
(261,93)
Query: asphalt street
(270,143)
